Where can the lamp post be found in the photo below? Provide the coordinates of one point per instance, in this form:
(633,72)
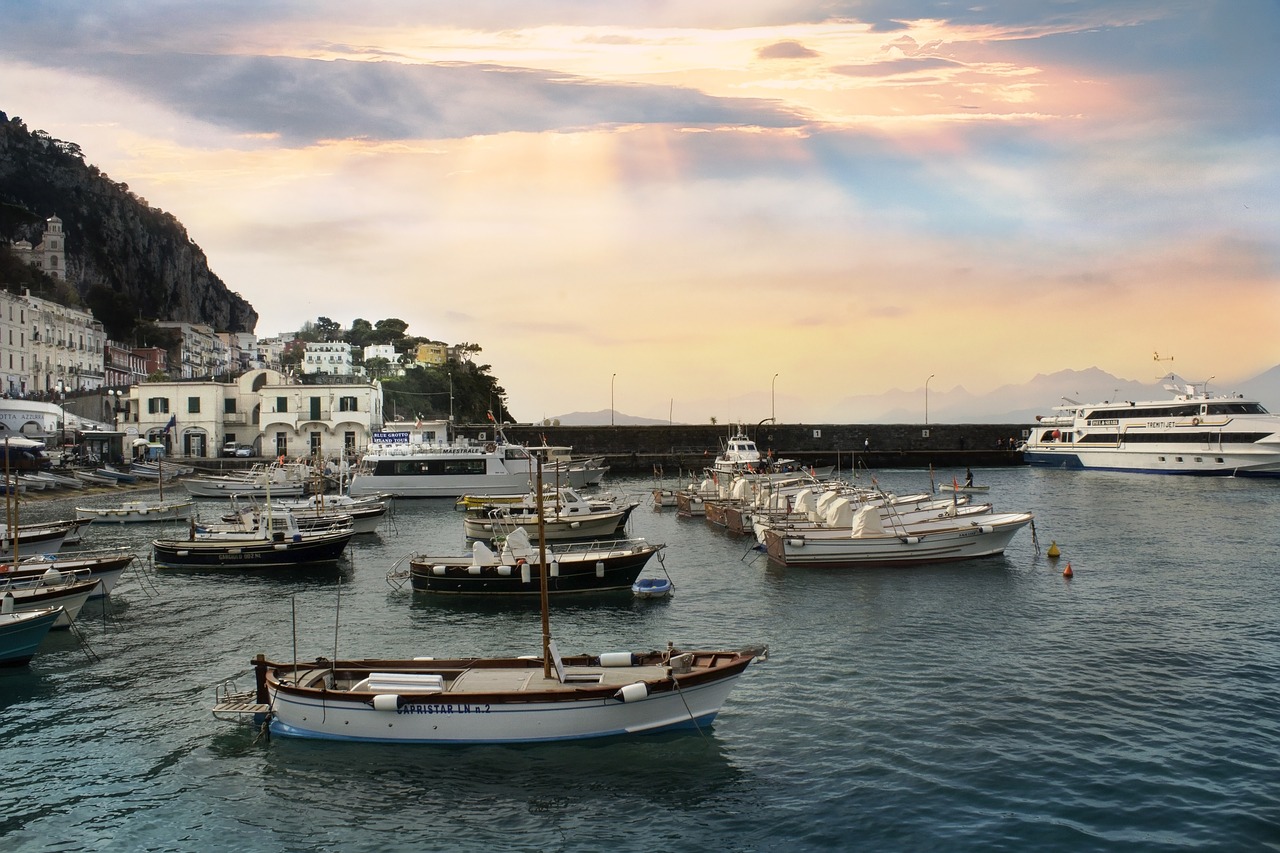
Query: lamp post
(451,397)
(926,400)
(611,413)
(115,394)
(62,412)
(773,409)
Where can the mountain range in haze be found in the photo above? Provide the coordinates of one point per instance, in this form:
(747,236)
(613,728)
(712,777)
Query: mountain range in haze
(1009,404)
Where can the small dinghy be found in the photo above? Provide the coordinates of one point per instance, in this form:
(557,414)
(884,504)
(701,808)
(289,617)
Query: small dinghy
(651,588)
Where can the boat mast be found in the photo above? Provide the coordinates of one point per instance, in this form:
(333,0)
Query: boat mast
(542,573)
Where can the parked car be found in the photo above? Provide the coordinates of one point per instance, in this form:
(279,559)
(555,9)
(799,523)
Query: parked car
(244,450)
(230,448)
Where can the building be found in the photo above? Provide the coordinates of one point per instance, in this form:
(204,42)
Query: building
(50,255)
(330,358)
(435,355)
(201,353)
(65,346)
(262,409)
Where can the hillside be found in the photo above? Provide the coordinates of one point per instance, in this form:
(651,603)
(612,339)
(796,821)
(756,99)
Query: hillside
(127,260)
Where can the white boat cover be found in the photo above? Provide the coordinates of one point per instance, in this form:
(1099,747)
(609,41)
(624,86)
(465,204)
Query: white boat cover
(867,523)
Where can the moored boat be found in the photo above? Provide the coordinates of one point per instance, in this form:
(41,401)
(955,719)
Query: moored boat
(104,566)
(53,589)
(1194,432)
(22,633)
(276,542)
(517,569)
(421,460)
(137,512)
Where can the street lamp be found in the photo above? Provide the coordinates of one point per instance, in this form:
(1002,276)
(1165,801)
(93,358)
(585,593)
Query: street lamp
(773,410)
(926,400)
(115,394)
(451,397)
(615,376)
(62,411)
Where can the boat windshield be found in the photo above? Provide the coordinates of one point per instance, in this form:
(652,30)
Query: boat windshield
(1235,408)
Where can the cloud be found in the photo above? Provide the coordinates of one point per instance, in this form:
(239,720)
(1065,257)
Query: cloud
(304,101)
(786,50)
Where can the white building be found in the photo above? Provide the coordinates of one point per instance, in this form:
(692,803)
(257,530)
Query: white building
(261,408)
(202,352)
(64,346)
(329,358)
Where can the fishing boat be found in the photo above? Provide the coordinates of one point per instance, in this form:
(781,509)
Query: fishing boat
(52,589)
(105,566)
(280,479)
(22,633)
(868,543)
(1195,432)
(141,511)
(275,542)
(366,514)
(516,569)
(565,515)
(44,538)
(422,460)
(472,700)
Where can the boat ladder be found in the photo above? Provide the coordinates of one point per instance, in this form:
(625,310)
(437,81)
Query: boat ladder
(236,704)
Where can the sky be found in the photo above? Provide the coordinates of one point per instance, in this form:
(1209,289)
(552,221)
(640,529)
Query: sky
(729,209)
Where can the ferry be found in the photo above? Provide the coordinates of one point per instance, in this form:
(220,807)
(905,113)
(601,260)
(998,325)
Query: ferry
(1195,432)
(421,460)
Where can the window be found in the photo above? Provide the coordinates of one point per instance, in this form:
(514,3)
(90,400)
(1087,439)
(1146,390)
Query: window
(157,405)
(229,406)
(315,408)
(347,404)
(282,404)
(193,405)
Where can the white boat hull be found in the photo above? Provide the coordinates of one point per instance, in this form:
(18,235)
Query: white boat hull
(983,537)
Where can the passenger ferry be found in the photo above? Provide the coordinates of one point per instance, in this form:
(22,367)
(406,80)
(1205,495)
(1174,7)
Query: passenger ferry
(1194,433)
(421,460)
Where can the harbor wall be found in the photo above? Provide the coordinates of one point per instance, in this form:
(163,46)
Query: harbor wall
(677,448)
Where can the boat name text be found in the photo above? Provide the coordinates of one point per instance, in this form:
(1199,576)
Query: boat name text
(444,709)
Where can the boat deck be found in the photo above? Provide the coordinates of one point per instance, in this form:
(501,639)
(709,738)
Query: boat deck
(531,680)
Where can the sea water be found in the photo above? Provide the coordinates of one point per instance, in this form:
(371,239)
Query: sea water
(992,704)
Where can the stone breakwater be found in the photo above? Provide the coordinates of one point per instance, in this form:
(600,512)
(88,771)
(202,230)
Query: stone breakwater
(677,447)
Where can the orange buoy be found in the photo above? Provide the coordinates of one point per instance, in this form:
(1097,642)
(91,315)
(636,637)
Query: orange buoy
(1066,573)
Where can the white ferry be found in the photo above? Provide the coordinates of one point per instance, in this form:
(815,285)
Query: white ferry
(420,460)
(1194,433)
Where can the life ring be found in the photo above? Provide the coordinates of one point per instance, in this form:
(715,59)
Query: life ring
(490,447)
(1195,422)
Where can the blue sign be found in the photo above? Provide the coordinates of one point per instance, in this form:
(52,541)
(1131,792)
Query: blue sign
(381,437)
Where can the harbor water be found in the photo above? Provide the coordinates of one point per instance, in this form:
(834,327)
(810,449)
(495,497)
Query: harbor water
(987,705)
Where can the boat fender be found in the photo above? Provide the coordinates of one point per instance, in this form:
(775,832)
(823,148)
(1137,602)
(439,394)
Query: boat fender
(504,571)
(616,659)
(386,702)
(555,568)
(599,568)
(438,570)
(473,570)
(526,576)
(911,540)
(795,543)
(632,692)
(51,576)
(6,603)
(987,528)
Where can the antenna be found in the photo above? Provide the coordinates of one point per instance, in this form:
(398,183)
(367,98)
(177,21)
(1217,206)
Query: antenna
(1158,358)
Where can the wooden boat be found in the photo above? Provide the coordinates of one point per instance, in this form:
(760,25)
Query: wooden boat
(137,512)
(961,487)
(34,538)
(52,589)
(276,542)
(364,515)
(22,633)
(278,480)
(119,476)
(493,700)
(651,588)
(598,566)
(104,566)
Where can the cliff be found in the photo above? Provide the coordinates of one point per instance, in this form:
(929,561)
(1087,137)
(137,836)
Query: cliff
(126,259)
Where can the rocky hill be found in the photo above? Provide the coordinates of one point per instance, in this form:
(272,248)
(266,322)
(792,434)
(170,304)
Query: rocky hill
(126,259)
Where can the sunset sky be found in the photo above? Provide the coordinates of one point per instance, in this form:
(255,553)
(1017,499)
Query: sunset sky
(663,205)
